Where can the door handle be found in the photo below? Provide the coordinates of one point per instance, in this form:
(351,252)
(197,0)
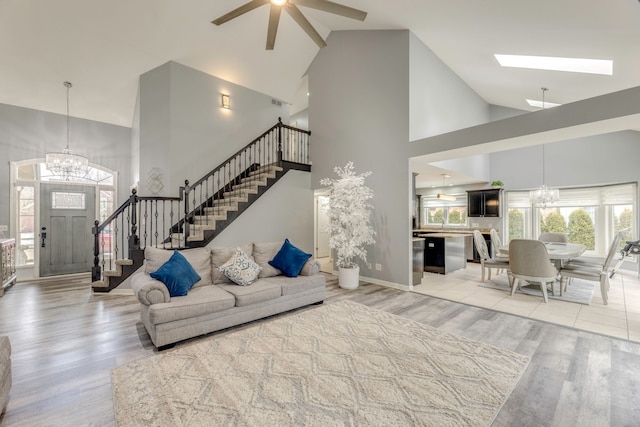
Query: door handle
(43,236)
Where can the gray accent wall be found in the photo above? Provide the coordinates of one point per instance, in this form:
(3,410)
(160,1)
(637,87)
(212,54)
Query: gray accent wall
(359,111)
(371,93)
(29,134)
(285,211)
(595,160)
(185,133)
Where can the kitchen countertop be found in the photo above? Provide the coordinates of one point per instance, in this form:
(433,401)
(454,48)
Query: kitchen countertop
(454,231)
(447,234)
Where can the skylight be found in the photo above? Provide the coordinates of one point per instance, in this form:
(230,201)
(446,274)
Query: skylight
(575,65)
(539,104)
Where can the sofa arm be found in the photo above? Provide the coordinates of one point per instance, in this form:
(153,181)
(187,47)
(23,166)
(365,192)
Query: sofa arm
(149,290)
(311,267)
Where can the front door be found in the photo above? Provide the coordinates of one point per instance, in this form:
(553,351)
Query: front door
(67,213)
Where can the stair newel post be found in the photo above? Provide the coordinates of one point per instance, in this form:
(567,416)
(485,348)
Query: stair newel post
(187,217)
(279,141)
(96,273)
(134,240)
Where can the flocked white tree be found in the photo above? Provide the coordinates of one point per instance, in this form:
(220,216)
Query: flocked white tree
(349,211)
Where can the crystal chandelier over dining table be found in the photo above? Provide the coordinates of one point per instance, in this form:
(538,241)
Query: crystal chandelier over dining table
(544,195)
(66,164)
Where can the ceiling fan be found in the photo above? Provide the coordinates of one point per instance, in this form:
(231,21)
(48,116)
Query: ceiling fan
(291,7)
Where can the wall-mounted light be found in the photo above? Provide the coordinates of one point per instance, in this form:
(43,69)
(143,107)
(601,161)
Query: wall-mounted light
(226,101)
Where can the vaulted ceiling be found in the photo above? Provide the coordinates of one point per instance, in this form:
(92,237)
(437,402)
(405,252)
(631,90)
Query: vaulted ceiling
(102,47)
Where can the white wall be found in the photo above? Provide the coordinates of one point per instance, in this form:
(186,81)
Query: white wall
(440,101)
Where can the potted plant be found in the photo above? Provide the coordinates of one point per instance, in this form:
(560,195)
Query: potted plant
(497,183)
(350,228)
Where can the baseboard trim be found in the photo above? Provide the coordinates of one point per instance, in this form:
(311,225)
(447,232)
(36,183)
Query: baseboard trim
(381,282)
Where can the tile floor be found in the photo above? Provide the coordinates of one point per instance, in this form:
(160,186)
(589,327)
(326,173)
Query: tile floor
(620,318)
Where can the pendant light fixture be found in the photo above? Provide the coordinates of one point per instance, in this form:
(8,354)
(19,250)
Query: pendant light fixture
(443,195)
(66,164)
(544,195)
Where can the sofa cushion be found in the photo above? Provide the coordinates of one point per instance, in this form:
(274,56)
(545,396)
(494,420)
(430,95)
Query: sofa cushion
(262,254)
(293,285)
(199,258)
(220,255)
(240,268)
(198,302)
(259,291)
(177,275)
(289,259)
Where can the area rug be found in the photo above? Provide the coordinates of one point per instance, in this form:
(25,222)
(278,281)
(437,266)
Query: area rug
(578,291)
(338,364)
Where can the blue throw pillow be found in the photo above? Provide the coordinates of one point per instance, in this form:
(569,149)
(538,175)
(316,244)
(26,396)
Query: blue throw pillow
(177,275)
(289,259)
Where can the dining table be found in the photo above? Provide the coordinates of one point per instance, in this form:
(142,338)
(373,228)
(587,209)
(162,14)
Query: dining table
(559,253)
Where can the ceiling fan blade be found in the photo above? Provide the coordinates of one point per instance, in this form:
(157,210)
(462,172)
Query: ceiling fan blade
(331,7)
(274,20)
(247,7)
(297,16)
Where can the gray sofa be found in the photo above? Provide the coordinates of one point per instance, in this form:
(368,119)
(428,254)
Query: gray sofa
(5,372)
(216,303)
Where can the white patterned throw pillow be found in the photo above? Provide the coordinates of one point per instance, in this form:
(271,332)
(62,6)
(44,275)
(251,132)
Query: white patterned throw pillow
(240,268)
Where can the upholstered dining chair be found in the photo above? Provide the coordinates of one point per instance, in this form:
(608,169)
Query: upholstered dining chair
(496,244)
(529,261)
(595,261)
(594,272)
(486,261)
(553,237)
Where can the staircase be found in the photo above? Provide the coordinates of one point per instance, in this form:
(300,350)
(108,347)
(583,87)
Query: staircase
(208,221)
(200,211)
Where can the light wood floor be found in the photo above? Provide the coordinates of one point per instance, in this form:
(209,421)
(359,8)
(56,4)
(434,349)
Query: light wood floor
(66,340)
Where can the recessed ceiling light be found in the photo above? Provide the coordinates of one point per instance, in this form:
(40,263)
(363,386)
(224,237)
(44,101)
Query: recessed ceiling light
(539,104)
(575,65)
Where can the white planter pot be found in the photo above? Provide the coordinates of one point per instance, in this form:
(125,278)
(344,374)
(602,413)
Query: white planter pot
(348,278)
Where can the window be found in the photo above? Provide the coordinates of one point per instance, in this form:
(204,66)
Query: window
(25,238)
(67,200)
(590,215)
(437,213)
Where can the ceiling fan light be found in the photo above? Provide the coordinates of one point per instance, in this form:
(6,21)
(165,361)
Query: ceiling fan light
(279,2)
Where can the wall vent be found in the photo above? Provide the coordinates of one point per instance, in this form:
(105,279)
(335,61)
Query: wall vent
(276,102)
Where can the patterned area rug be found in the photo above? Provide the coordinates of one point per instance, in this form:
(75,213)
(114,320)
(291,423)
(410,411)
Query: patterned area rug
(338,364)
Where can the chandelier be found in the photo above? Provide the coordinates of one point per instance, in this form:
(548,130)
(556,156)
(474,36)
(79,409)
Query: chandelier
(443,195)
(66,164)
(544,195)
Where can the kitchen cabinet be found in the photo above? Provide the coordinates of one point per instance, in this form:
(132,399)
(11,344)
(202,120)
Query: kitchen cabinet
(484,203)
(418,260)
